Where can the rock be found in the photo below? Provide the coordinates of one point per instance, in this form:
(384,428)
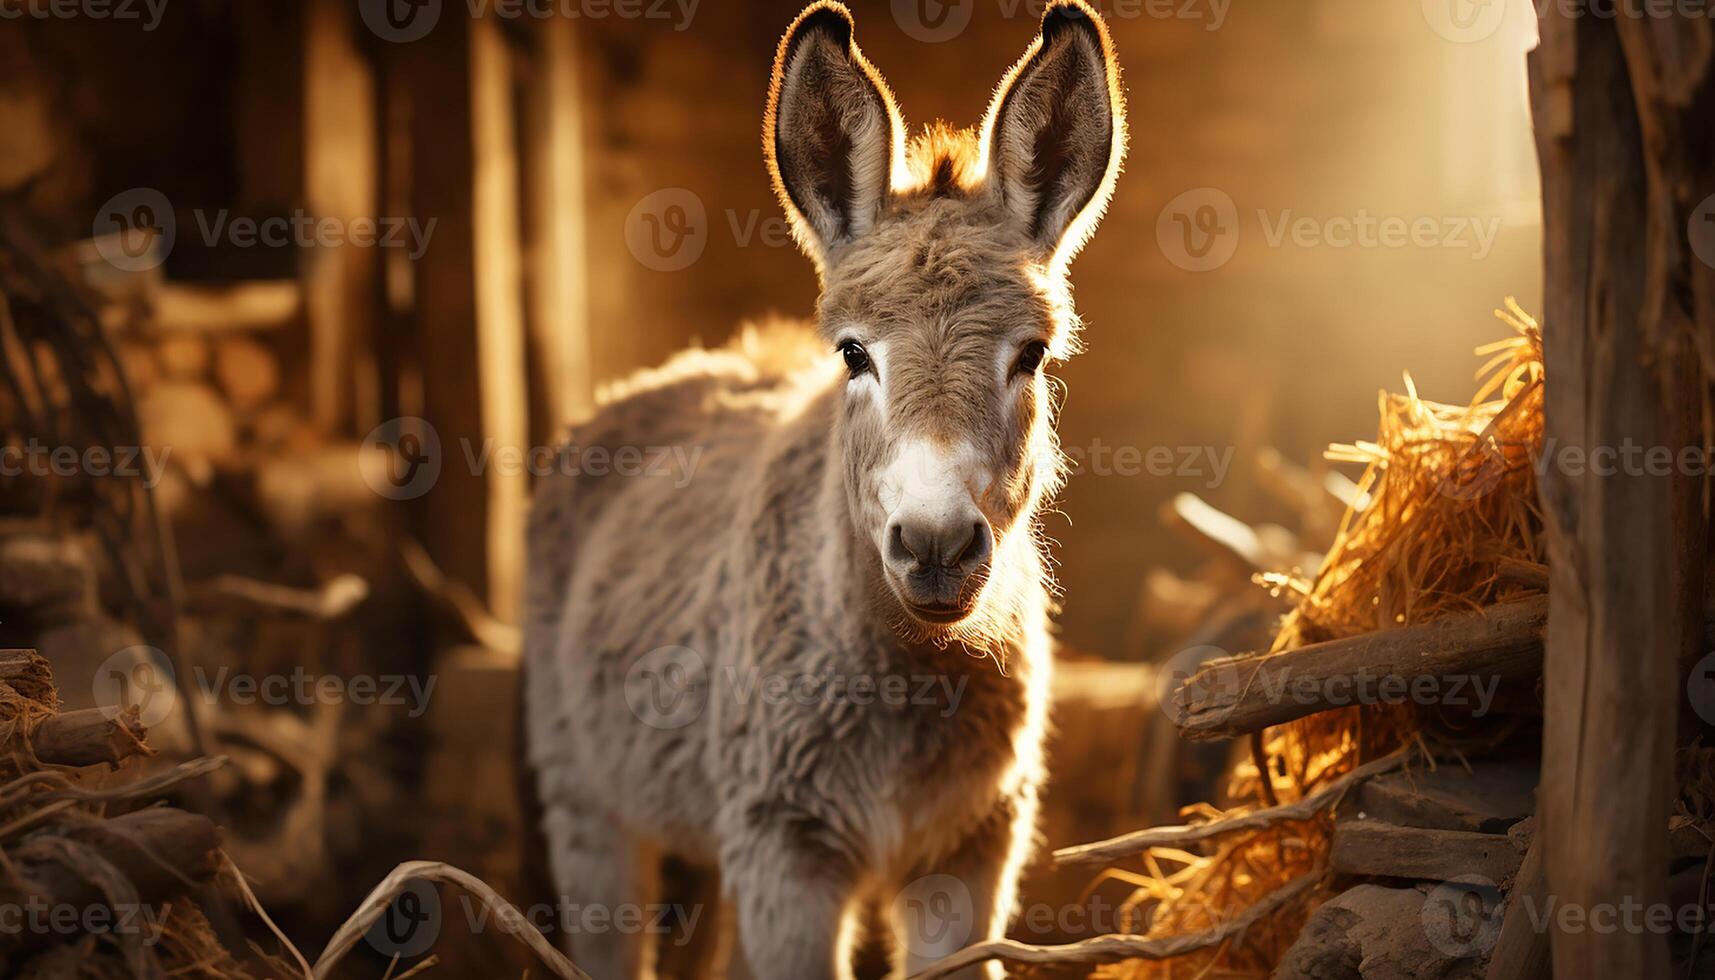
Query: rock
(1374,933)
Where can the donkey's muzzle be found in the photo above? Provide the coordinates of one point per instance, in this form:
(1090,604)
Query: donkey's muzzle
(939,563)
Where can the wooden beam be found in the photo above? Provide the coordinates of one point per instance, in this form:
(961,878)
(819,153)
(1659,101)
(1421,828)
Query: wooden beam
(1243,695)
(1373,847)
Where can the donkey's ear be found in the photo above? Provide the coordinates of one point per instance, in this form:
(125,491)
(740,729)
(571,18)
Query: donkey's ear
(1055,133)
(832,133)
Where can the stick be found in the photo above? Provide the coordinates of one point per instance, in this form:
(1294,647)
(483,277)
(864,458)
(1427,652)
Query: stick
(1126,845)
(329,601)
(382,896)
(90,737)
(1115,947)
(1244,695)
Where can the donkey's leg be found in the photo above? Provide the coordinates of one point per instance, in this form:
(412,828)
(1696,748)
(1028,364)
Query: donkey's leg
(969,897)
(792,909)
(596,866)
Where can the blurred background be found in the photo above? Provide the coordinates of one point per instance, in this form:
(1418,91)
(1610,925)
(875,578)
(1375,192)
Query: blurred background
(332,242)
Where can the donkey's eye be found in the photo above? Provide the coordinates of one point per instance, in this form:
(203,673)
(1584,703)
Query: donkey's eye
(857,359)
(1031,358)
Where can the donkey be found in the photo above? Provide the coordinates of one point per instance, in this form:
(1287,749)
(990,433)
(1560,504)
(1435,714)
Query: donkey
(822,664)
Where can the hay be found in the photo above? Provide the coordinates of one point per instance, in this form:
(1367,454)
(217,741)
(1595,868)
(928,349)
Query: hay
(1446,517)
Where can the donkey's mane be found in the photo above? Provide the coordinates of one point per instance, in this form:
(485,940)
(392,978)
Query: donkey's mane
(943,161)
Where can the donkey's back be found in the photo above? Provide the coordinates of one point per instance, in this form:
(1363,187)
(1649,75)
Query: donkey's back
(632,540)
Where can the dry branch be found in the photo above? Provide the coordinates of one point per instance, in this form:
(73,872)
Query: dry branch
(90,737)
(328,601)
(1244,695)
(382,896)
(1127,845)
(1116,947)
(148,857)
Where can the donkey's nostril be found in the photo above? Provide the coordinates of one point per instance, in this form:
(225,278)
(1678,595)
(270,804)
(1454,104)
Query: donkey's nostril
(923,546)
(975,548)
(899,551)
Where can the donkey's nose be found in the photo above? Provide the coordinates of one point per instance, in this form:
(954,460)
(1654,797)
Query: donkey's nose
(933,557)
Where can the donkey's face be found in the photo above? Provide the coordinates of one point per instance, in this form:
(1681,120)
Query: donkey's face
(943,291)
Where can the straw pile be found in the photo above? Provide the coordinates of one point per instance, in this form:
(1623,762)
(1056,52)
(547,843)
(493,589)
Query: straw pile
(1448,506)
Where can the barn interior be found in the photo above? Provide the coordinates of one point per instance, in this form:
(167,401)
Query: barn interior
(293,295)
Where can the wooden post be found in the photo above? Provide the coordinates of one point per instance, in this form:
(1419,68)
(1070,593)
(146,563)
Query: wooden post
(555,226)
(499,308)
(1614,100)
(341,146)
(453,518)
